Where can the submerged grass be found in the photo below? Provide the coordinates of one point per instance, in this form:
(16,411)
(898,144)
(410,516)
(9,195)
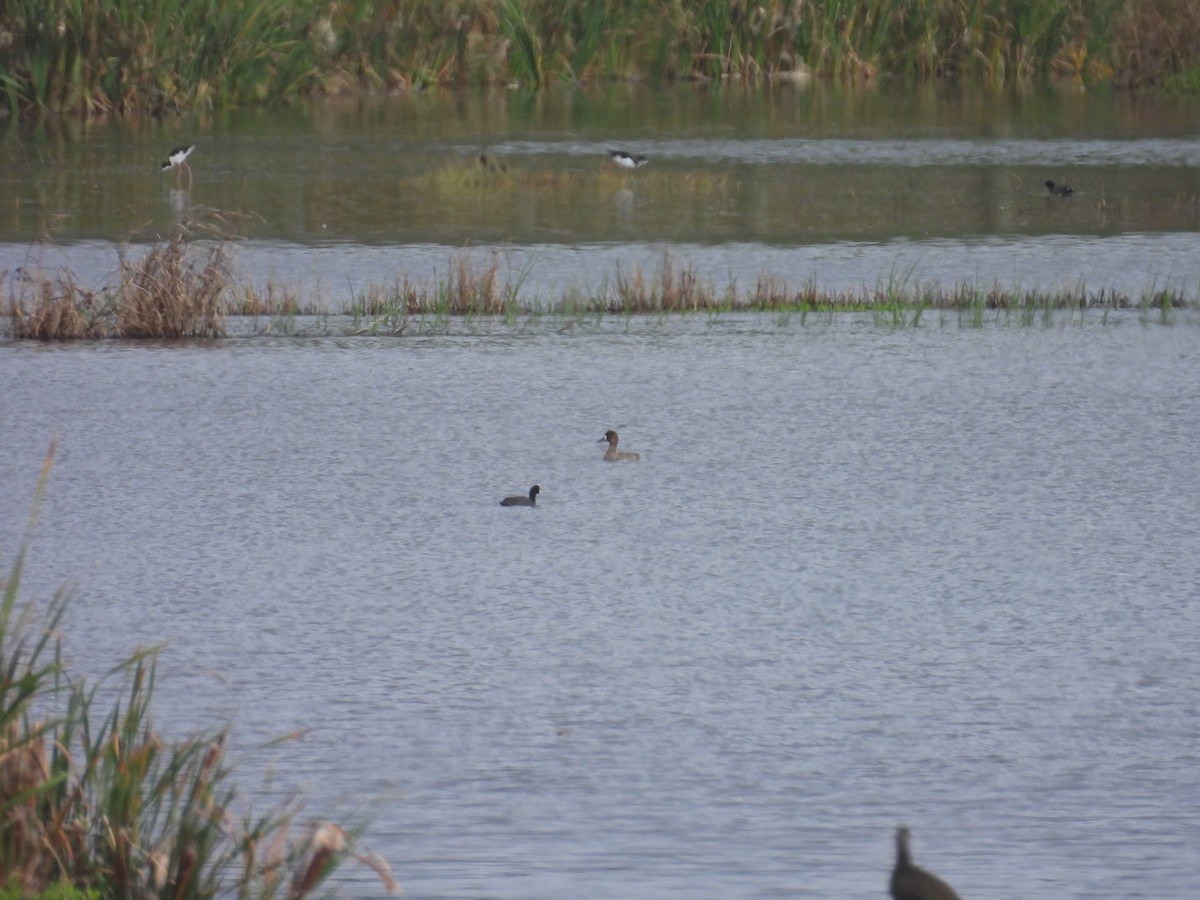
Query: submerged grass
(94,57)
(178,291)
(465,292)
(493,174)
(95,803)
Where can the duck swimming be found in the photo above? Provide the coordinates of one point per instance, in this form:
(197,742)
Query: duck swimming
(519,500)
(910,881)
(612,454)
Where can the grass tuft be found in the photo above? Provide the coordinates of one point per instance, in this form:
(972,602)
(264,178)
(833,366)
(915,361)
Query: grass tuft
(57,308)
(172,292)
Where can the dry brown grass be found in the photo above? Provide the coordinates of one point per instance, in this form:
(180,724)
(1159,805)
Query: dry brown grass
(773,293)
(59,308)
(465,291)
(174,291)
(474,293)
(174,294)
(170,294)
(274,300)
(673,290)
(1158,40)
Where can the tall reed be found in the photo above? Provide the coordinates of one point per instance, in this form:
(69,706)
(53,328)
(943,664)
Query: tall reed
(156,56)
(153,56)
(94,802)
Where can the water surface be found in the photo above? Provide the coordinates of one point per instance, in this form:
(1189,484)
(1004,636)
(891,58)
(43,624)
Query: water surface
(840,186)
(860,577)
(939,575)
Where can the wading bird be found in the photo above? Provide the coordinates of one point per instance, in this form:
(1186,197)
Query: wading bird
(177,160)
(627,160)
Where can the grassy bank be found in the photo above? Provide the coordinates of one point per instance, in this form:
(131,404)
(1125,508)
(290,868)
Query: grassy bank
(177,290)
(95,803)
(153,56)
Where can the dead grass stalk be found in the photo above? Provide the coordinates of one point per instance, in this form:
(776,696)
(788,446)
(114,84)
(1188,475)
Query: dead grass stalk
(170,294)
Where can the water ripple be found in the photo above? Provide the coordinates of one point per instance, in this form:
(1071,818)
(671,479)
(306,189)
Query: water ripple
(937,151)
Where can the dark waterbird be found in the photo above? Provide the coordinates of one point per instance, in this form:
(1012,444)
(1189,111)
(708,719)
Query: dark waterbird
(519,500)
(487,164)
(1059,190)
(910,881)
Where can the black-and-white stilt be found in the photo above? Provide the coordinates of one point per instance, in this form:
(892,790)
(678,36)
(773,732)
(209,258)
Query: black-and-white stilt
(177,160)
(627,160)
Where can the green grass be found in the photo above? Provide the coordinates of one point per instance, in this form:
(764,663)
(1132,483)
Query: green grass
(95,803)
(57,891)
(98,57)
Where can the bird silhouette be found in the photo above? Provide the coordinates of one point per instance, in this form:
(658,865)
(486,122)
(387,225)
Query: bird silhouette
(910,881)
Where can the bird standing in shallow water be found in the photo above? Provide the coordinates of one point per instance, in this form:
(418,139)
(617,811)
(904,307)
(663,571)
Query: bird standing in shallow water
(627,160)
(518,500)
(1059,190)
(911,882)
(612,454)
(177,160)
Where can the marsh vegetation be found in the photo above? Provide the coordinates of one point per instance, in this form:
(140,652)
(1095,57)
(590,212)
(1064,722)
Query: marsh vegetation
(149,57)
(180,290)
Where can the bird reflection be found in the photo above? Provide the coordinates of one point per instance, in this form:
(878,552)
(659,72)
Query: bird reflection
(180,199)
(624,200)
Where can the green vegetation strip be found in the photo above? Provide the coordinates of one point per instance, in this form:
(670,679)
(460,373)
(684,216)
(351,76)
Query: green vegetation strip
(179,291)
(96,57)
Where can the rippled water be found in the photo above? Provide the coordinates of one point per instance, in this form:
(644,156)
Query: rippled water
(860,576)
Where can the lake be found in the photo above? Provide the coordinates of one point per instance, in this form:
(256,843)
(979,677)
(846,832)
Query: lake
(944,576)
(861,576)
